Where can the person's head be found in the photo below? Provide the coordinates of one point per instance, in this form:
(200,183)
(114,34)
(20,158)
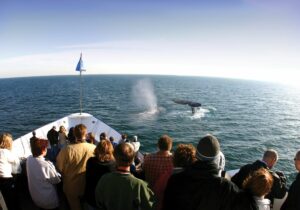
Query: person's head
(297,161)
(135,139)
(165,143)
(104,151)
(80,132)
(90,138)
(259,183)
(124,154)
(208,149)
(111,139)
(6,141)
(39,147)
(184,155)
(54,127)
(33,134)
(270,157)
(124,136)
(62,129)
(103,136)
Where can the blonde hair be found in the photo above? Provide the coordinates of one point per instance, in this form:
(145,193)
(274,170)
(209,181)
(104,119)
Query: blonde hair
(259,183)
(6,141)
(104,151)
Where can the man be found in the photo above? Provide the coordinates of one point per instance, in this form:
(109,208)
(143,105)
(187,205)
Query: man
(199,186)
(293,202)
(71,162)
(160,163)
(120,190)
(268,161)
(52,136)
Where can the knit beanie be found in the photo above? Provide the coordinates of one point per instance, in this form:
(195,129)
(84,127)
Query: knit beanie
(208,148)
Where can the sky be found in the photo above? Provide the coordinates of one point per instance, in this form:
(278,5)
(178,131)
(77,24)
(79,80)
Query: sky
(247,39)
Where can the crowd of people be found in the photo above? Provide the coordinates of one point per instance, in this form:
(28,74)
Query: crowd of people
(115,176)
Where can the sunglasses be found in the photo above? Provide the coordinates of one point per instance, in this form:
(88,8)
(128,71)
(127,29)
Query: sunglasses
(296,159)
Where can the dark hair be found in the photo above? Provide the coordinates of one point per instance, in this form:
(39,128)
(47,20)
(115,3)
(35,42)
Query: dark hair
(38,146)
(184,155)
(71,136)
(124,154)
(124,136)
(80,132)
(165,143)
(91,138)
(102,136)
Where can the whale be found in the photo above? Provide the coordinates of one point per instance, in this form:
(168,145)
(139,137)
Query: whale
(192,104)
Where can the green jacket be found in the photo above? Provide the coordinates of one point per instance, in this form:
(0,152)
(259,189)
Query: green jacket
(116,191)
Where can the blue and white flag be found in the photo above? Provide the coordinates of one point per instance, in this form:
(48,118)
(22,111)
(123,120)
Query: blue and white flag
(80,66)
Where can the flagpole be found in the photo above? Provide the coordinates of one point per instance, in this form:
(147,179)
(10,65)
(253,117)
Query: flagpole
(80,102)
(80,68)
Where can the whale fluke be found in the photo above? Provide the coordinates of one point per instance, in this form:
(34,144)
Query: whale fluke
(192,104)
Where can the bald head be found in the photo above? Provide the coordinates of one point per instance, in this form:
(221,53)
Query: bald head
(270,157)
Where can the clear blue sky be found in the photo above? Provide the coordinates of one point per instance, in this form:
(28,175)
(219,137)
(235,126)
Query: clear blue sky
(251,39)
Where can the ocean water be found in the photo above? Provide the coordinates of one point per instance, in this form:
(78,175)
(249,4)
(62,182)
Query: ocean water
(246,116)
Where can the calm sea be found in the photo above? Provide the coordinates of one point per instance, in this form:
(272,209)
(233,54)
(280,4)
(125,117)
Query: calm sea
(246,116)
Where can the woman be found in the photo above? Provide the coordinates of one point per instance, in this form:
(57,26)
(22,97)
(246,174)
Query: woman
(8,162)
(96,167)
(258,185)
(42,176)
(293,200)
(62,137)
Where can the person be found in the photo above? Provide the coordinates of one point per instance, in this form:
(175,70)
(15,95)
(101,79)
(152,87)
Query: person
(71,136)
(62,137)
(42,176)
(268,161)
(160,163)
(71,163)
(103,136)
(8,162)
(184,156)
(120,190)
(259,184)
(103,162)
(123,138)
(293,199)
(52,136)
(135,143)
(91,138)
(33,138)
(112,141)
(199,186)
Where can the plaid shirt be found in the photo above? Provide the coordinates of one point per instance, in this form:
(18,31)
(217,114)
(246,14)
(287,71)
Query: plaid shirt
(156,165)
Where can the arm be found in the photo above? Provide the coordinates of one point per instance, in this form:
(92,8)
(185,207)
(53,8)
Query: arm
(147,197)
(52,175)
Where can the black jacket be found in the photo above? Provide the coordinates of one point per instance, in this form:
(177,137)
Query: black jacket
(52,136)
(279,184)
(293,200)
(199,187)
